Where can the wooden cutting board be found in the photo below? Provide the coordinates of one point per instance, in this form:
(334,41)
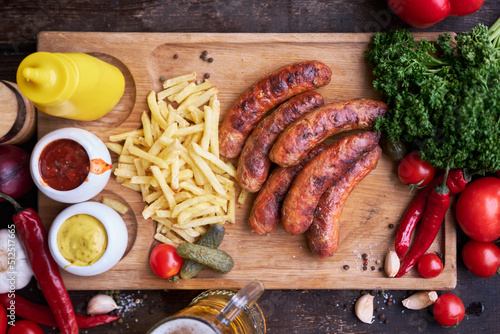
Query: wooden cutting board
(279,260)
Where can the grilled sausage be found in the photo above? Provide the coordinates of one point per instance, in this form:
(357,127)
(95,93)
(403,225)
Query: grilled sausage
(264,95)
(323,234)
(254,162)
(318,175)
(266,210)
(314,127)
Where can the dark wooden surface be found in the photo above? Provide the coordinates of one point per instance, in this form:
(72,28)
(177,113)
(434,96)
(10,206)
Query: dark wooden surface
(286,311)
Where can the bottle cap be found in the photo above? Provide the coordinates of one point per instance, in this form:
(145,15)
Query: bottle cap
(46,78)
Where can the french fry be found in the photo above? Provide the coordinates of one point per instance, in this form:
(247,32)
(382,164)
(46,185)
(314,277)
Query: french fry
(149,157)
(207,131)
(155,110)
(173,161)
(114,147)
(177,80)
(214,134)
(167,191)
(204,153)
(206,171)
(188,90)
(156,205)
(163,239)
(207,221)
(243,196)
(115,205)
(146,125)
(125,135)
(171,90)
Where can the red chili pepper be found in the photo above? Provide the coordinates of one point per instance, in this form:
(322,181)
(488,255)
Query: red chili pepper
(3,320)
(425,13)
(42,314)
(438,203)
(33,236)
(456,182)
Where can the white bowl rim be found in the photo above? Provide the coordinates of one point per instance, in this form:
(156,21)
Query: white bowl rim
(115,229)
(86,139)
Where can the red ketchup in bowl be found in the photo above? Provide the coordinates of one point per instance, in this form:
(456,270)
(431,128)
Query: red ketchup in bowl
(64,164)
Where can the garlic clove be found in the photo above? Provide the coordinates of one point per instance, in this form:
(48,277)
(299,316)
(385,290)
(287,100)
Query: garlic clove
(420,300)
(364,308)
(392,264)
(101,304)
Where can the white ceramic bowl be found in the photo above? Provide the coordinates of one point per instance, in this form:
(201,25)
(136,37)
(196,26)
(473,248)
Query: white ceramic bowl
(95,149)
(115,228)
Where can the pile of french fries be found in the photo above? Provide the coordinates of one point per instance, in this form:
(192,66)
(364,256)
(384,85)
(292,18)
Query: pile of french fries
(174,162)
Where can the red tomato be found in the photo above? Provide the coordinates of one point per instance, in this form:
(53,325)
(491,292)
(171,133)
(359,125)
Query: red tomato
(481,258)
(3,320)
(448,310)
(478,209)
(164,261)
(430,265)
(464,7)
(414,171)
(25,327)
(420,13)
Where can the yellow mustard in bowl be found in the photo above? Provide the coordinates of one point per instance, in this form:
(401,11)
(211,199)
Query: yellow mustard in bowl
(82,240)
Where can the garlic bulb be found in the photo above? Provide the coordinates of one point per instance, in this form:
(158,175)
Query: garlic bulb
(101,304)
(15,270)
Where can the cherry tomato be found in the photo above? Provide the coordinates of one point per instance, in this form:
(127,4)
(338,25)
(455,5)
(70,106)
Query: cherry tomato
(25,327)
(413,171)
(164,261)
(3,320)
(430,265)
(481,258)
(478,209)
(448,310)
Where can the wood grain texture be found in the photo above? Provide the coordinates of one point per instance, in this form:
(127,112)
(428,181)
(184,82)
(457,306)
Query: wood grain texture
(279,260)
(286,311)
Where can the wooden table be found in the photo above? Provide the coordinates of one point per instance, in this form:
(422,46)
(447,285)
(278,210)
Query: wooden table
(287,311)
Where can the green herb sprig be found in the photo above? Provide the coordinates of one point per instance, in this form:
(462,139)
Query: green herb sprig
(444,96)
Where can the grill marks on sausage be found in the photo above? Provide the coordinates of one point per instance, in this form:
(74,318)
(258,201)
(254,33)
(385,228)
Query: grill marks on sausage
(265,215)
(312,128)
(254,163)
(323,234)
(264,95)
(317,175)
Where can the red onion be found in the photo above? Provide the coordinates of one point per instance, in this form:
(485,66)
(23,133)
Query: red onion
(15,178)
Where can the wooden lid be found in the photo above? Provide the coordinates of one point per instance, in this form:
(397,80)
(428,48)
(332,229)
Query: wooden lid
(8,109)
(17,115)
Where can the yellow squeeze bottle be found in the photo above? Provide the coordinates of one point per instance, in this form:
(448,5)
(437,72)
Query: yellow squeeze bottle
(70,85)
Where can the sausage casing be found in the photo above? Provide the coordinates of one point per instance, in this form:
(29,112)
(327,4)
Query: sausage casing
(312,128)
(265,215)
(264,95)
(323,234)
(318,174)
(254,162)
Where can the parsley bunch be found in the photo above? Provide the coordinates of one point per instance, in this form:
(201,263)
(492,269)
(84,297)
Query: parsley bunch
(444,96)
